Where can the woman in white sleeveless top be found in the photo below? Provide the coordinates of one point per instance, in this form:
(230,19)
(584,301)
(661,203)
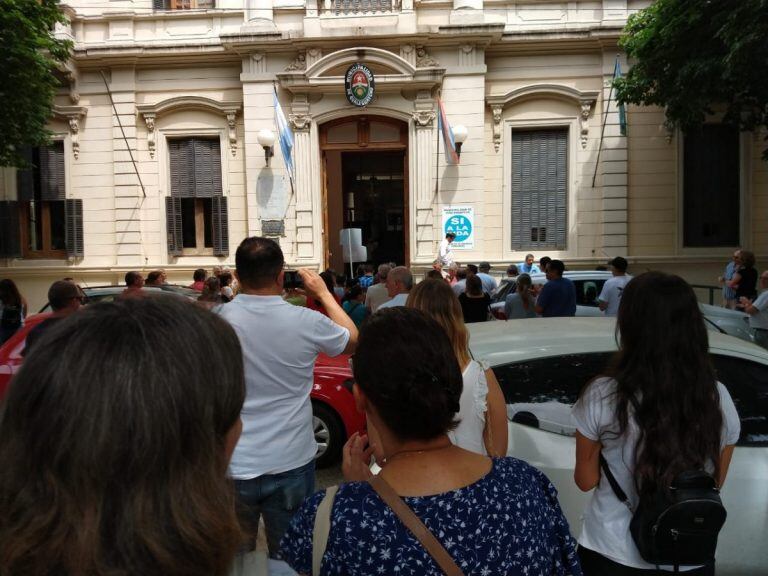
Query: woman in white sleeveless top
(483,411)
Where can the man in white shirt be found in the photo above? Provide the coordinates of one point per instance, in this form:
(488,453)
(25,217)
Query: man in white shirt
(610,295)
(758,312)
(377,294)
(273,464)
(399,284)
(446,252)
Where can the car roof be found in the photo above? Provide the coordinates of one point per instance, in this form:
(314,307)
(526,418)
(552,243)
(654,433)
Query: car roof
(504,342)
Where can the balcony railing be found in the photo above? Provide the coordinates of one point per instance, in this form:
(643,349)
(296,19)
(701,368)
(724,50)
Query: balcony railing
(359,7)
(183,4)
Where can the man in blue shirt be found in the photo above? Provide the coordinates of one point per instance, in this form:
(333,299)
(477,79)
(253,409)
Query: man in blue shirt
(558,295)
(528,267)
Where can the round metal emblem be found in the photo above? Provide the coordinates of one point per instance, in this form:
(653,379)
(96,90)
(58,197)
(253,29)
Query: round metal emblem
(359,85)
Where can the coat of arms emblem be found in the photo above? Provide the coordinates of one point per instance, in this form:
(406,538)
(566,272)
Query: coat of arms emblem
(359,85)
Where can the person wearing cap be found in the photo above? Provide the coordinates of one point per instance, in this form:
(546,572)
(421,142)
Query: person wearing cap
(489,282)
(610,295)
(446,252)
(65,298)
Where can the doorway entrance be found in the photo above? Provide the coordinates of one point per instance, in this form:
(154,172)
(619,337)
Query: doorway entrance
(365,161)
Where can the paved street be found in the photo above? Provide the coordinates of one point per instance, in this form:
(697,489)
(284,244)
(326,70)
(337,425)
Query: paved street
(328,476)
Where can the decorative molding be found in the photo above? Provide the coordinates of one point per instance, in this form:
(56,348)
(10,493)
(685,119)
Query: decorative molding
(586,110)
(496,110)
(300,122)
(232,124)
(408,53)
(423,59)
(670,130)
(258,63)
(74,83)
(313,55)
(72,114)
(228,109)
(424,118)
(585,99)
(149,120)
(299,64)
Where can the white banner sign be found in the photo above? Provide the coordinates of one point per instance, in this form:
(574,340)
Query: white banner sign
(460,220)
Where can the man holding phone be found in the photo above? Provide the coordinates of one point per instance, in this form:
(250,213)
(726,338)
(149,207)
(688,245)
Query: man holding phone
(274,462)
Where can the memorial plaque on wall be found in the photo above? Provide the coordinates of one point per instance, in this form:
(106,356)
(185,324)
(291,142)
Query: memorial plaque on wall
(273,227)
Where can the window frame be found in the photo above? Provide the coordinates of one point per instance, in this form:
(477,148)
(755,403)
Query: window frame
(164,134)
(200,249)
(46,252)
(571,124)
(745,186)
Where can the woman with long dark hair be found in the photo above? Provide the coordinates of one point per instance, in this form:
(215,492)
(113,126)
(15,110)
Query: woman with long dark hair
(657,412)
(475,304)
(115,439)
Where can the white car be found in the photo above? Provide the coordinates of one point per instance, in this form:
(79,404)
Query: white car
(542,363)
(589,284)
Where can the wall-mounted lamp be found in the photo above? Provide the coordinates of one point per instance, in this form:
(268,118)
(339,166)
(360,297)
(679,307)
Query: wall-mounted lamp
(459,136)
(266,139)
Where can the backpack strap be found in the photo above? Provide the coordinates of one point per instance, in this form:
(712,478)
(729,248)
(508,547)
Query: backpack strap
(620,494)
(322,528)
(415,526)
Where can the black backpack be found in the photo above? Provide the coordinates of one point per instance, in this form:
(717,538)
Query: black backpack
(679,525)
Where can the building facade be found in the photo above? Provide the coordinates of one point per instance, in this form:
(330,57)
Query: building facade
(156,160)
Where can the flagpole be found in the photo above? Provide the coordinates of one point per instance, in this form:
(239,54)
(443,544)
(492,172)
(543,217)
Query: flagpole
(437,148)
(605,121)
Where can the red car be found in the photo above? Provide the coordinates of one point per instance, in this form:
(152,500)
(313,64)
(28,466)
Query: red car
(335,416)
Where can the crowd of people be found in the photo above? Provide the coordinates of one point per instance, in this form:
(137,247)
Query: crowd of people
(153,436)
(739,282)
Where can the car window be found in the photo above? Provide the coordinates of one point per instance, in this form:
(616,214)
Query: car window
(747,383)
(587,291)
(540,392)
(503,291)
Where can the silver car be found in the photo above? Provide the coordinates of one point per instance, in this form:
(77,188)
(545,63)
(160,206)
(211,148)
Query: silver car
(543,363)
(589,284)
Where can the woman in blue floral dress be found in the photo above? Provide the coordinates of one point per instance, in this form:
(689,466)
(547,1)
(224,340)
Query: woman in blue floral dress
(493,516)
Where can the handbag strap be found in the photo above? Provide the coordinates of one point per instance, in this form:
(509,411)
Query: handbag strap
(322,528)
(415,526)
(620,494)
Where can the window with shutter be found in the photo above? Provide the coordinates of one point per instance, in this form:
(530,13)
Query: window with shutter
(42,213)
(539,189)
(711,187)
(73,232)
(200,228)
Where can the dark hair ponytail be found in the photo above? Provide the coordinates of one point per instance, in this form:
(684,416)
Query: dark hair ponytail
(406,366)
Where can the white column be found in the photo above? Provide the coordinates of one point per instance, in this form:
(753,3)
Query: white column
(303,170)
(423,158)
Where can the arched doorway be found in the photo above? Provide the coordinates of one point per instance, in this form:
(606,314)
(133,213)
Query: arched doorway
(365,186)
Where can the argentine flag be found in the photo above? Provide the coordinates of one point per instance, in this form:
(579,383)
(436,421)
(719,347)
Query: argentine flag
(451,156)
(285,136)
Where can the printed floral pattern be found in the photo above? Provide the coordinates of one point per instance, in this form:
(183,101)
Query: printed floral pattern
(509,522)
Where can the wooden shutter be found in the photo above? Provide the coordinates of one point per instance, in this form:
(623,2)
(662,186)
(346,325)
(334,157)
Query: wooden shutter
(220,226)
(539,189)
(207,167)
(173,225)
(25,178)
(73,228)
(10,239)
(182,168)
(52,172)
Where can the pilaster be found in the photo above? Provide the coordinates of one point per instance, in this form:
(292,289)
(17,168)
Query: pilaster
(613,168)
(304,171)
(423,154)
(127,189)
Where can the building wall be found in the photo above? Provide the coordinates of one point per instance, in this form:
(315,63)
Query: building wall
(553,63)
